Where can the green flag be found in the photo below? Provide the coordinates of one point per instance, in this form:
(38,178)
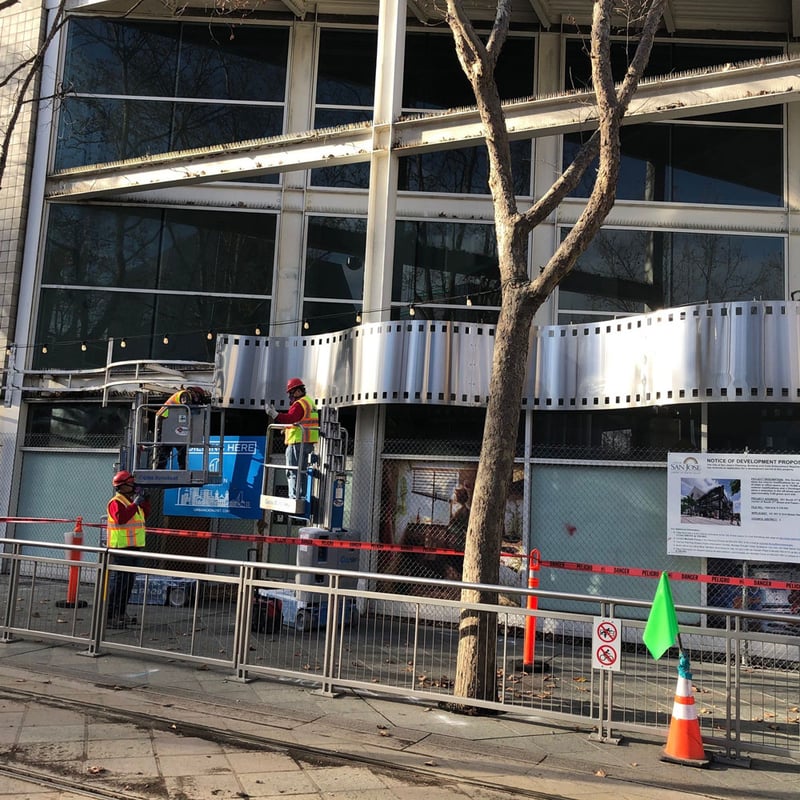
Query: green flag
(662,624)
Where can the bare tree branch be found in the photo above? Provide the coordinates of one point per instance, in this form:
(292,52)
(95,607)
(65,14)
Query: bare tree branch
(34,65)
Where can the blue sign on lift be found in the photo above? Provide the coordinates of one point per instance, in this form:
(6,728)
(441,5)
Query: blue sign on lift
(239,494)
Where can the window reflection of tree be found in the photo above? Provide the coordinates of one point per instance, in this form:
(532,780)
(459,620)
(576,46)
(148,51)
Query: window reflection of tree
(633,272)
(448,263)
(714,268)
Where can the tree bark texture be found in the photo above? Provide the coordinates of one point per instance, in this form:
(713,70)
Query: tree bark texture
(521,296)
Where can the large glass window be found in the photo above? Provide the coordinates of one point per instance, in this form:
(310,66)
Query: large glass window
(334,276)
(113,64)
(692,162)
(633,272)
(734,158)
(76,425)
(638,434)
(753,427)
(143,275)
(445,270)
(345,94)
(461,170)
(434,54)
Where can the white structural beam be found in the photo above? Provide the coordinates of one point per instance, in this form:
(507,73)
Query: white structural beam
(297,7)
(669,17)
(543,12)
(709,91)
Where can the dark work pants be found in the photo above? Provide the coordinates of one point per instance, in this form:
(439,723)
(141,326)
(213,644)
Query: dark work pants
(120,584)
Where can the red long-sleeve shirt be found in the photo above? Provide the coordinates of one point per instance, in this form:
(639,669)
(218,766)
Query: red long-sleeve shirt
(120,513)
(294,414)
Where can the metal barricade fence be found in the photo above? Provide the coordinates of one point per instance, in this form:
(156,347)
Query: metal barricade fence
(405,643)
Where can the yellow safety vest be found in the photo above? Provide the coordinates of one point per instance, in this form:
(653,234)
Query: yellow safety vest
(130,534)
(181,397)
(307,430)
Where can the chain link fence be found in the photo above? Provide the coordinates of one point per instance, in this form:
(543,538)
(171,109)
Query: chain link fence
(602,505)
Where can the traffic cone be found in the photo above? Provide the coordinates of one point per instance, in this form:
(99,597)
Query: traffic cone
(684,742)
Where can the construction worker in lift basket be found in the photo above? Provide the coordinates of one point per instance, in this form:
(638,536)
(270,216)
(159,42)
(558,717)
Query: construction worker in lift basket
(300,437)
(191,395)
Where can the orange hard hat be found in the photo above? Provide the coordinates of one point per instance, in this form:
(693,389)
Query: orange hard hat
(123,476)
(294,383)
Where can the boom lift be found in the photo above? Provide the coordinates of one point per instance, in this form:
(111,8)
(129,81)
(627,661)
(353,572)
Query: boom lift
(156,447)
(317,516)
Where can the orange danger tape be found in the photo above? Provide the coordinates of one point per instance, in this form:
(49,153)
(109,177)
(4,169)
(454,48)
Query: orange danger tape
(574,566)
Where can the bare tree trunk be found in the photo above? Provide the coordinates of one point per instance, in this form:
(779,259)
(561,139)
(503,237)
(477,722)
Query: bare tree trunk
(476,671)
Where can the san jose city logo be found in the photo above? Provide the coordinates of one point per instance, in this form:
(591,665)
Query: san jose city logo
(689,464)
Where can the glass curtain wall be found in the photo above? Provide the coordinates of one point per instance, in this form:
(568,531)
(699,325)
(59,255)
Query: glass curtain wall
(734,159)
(627,272)
(163,280)
(138,88)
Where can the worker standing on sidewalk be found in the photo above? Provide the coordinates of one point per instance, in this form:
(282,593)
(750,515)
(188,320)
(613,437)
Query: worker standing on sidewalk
(125,532)
(301,437)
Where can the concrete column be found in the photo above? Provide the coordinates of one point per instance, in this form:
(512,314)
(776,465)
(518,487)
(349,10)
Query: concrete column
(546,163)
(287,286)
(368,441)
(792,172)
(383,165)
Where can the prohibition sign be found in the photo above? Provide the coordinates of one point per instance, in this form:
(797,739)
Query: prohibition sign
(606,631)
(606,656)
(605,650)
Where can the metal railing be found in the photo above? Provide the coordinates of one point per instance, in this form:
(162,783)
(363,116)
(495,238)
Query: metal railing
(333,629)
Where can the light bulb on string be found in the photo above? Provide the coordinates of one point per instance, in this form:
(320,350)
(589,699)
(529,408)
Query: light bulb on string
(258,330)
(122,343)
(469,300)
(411,310)
(210,335)
(44,349)
(358,317)
(306,326)
(84,347)
(165,340)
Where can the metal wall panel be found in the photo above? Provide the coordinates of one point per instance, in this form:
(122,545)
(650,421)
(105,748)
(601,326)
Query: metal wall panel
(706,353)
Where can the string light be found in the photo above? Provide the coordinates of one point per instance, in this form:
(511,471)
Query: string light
(259,330)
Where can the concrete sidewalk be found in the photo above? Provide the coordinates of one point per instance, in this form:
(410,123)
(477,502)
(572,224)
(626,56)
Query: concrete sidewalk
(174,730)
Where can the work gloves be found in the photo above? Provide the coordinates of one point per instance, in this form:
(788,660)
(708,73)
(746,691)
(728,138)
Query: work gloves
(272,412)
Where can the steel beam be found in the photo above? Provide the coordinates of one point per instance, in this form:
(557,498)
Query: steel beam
(710,91)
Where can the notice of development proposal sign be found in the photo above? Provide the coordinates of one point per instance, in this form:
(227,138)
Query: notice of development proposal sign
(740,506)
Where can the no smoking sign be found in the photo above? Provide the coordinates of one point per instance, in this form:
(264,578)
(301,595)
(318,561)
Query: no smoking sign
(606,644)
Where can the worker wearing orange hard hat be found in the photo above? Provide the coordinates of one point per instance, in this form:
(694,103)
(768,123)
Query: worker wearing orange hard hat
(125,534)
(300,437)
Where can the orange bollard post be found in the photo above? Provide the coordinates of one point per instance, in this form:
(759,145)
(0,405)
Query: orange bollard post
(529,644)
(72,538)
